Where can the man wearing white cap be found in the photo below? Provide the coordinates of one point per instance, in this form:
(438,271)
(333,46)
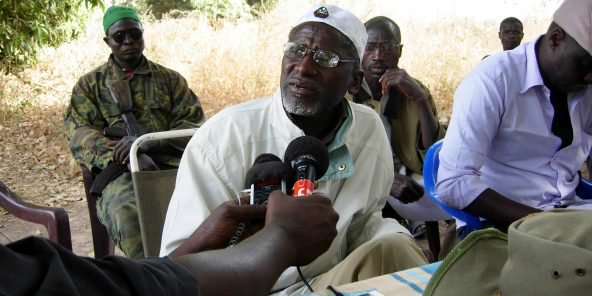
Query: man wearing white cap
(521,125)
(321,63)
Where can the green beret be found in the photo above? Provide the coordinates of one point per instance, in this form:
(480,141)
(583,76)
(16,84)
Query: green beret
(116,13)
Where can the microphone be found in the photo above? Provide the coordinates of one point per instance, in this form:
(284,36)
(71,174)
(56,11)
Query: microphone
(309,158)
(267,174)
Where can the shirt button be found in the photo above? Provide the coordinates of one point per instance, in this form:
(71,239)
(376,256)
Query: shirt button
(342,167)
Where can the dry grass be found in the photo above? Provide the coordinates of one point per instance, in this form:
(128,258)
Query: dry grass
(226,65)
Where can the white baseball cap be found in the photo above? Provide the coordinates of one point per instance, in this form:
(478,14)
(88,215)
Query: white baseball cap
(340,19)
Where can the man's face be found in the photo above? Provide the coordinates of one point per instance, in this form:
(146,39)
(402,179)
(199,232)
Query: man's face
(383,51)
(572,67)
(309,89)
(125,38)
(510,34)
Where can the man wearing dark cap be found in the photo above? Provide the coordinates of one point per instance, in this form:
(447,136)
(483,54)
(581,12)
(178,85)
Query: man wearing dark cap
(321,63)
(158,99)
(521,125)
(510,33)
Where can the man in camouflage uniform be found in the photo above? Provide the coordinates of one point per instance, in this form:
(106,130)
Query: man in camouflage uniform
(161,101)
(409,115)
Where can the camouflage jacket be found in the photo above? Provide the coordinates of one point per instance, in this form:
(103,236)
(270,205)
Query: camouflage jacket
(162,101)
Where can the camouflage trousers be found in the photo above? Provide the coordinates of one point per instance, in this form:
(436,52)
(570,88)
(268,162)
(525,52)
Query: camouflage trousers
(117,210)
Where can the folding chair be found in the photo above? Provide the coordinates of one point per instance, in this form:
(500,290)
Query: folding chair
(102,243)
(153,192)
(54,219)
(430,174)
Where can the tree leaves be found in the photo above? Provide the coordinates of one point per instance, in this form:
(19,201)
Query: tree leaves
(27,25)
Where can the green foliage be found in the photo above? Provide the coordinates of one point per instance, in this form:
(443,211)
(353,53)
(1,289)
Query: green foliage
(223,9)
(157,7)
(25,25)
(213,10)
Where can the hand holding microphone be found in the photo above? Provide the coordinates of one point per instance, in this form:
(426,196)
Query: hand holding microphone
(308,223)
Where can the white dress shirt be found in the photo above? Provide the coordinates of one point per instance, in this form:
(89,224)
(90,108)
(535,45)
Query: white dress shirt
(218,156)
(500,136)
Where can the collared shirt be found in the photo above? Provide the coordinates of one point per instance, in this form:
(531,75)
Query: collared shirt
(500,136)
(401,121)
(161,99)
(220,153)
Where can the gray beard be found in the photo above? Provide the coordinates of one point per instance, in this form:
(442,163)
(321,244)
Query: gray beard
(296,108)
(293,106)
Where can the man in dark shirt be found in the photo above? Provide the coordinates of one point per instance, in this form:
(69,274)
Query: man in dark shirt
(510,33)
(296,231)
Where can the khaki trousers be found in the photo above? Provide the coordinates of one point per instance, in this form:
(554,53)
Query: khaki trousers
(382,255)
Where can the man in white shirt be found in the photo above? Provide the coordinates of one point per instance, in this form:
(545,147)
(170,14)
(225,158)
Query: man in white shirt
(521,125)
(321,62)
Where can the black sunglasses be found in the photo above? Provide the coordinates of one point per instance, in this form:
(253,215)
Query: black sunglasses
(119,37)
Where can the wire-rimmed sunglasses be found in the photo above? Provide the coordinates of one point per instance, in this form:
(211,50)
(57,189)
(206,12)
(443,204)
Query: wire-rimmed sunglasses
(119,37)
(321,57)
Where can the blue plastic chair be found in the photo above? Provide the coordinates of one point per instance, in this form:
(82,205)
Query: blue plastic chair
(430,176)
(584,189)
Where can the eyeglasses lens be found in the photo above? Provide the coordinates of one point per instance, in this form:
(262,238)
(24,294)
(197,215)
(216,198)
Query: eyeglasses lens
(135,34)
(321,57)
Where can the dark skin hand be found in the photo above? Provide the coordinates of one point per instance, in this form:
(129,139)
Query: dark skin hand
(405,189)
(297,231)
(310,222)
(215,232)
(498,209)
(121,149)
(399,79)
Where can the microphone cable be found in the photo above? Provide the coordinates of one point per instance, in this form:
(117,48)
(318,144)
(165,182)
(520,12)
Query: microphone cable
(240,229)
(304,279)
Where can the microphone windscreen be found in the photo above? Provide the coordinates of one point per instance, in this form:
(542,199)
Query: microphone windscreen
(268,170)
(266,157)
(309,147)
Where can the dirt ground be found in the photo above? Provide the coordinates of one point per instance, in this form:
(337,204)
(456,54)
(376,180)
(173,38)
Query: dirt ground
(36,165)
(13,228)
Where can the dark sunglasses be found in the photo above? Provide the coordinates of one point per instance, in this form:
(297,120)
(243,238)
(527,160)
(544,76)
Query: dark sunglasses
(119,37)
(321,57)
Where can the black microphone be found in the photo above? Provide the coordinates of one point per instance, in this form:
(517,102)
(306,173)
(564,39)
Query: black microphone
(267,174)
(309,158)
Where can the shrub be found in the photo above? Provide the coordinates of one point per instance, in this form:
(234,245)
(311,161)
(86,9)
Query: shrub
(26,25)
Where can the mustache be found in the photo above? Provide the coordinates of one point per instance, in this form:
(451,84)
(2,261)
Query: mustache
(378,65)
(303,81)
